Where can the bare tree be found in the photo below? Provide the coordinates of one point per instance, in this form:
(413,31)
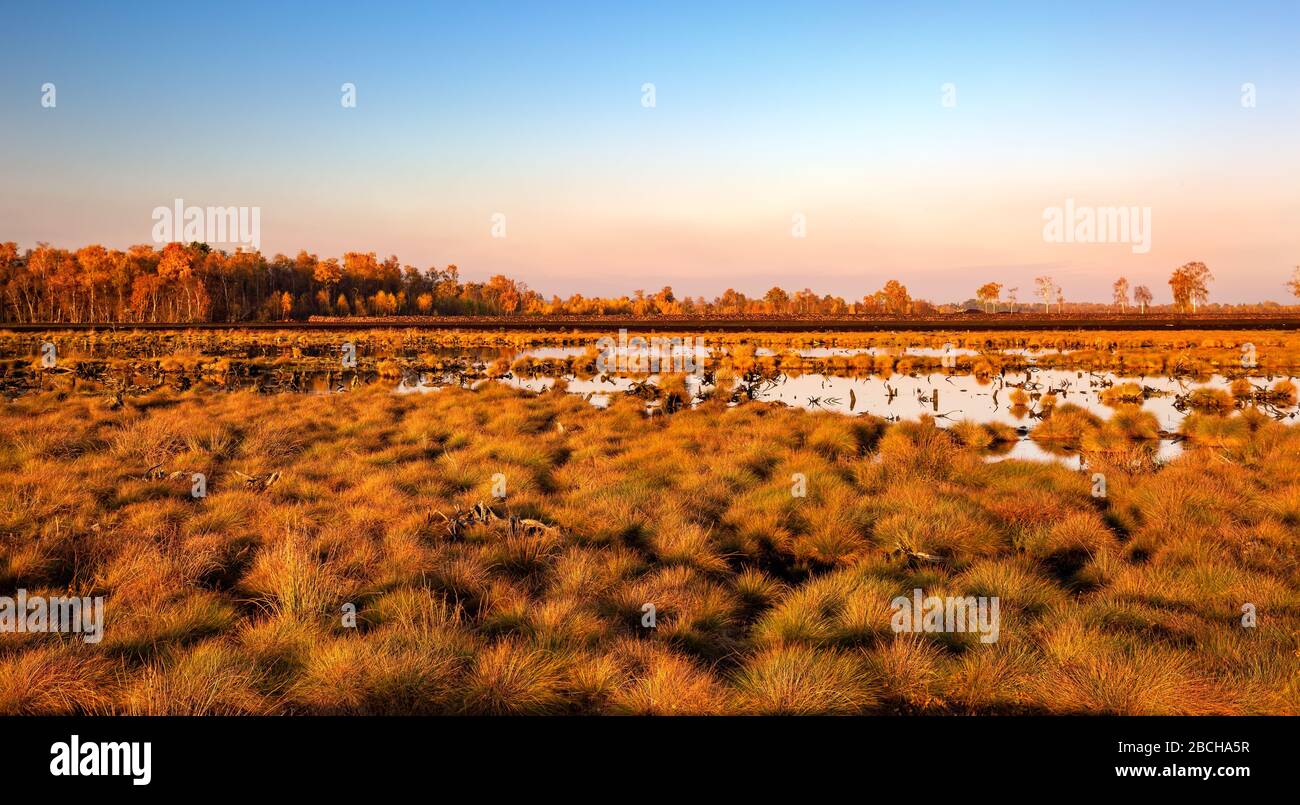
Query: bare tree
(1142,296)
(1120,297)
(1046,291)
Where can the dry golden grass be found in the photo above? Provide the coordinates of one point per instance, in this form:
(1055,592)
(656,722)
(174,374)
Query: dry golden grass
(765,601)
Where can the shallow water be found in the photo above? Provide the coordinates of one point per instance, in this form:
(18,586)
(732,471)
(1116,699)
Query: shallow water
(700,350)
(956,397)
(1027,449)
(948,398)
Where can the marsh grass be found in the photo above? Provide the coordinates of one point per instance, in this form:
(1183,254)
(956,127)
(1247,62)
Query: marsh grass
(532,603)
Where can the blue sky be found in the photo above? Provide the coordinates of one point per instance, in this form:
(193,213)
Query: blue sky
(830,111)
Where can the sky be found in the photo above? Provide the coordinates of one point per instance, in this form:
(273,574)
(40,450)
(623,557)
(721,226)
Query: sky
(824,145)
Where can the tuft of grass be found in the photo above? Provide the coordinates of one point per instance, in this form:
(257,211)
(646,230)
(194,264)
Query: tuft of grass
(287,579)
(800,680)
(1211,401)
(1214,430)
(1134,681)
(212,679)
(659,682)
(55,680)
(1068,423)
(512,678)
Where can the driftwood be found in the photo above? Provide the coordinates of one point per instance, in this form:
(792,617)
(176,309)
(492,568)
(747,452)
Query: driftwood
(920,558)
(481,513)
(260,483)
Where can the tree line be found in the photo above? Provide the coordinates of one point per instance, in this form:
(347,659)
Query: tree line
(195,283)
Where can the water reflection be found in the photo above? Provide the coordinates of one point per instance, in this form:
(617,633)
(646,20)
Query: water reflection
(949,399)
(1027,449)
(956,397)
(900,396)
